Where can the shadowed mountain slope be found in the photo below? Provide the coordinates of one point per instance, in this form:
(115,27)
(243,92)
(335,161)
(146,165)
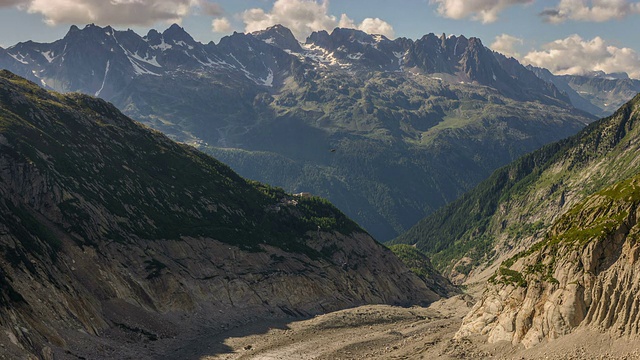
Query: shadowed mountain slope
(117,242)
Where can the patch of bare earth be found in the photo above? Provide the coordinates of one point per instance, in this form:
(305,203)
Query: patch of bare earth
(387,332)
(367,332)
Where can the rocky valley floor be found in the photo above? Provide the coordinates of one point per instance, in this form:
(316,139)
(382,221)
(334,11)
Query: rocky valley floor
(386,332)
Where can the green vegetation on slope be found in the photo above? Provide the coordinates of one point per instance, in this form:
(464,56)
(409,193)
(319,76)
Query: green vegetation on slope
(415,259)
(597,217)
(419,263)
(136,182)
(404,145)
(521,199)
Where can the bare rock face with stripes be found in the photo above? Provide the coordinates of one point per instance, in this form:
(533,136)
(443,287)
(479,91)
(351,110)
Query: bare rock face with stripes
(584,273)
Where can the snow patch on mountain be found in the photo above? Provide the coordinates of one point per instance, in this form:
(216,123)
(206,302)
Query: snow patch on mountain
(322,57)
(162,46)
(19,59)
(269,80)
(151,60)
(104,79)
(47,55)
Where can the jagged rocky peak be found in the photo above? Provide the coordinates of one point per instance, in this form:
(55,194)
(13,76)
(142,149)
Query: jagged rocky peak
(429,54)
(453,46)
(342,35)
(345,39)
(236,38)
(456,45)
(90,31)
(478,62)
(134,44)
(92,43)
(609,76)
(72,29)
(153,37)
(351,47)
(243,48)
(279,36)
(319,38)
(471,48)
(177,34)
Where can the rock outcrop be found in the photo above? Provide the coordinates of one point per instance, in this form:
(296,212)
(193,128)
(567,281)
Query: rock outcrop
(585,273)
(116,242)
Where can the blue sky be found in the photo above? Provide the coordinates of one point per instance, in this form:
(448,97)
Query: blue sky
(566,36)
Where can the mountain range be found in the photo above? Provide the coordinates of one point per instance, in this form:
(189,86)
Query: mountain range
(598,93)
(388,130)
(117,241)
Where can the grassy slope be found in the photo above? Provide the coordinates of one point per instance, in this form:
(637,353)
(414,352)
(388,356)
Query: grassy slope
(520,200)
(598,216)
(420,264)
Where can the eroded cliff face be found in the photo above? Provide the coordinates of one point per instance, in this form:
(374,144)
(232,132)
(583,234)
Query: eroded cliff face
(123,297)
(585,273)
(116,242)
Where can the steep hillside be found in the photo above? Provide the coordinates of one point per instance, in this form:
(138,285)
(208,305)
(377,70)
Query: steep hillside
(513,208)
(420,264)
(584,273)
(388,130)
(116,242)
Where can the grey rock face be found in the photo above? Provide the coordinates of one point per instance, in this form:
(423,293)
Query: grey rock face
(584,274)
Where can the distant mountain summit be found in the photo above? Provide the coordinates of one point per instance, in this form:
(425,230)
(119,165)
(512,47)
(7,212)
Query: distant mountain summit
(103,61)
(597,92)
(78,62)
(279,36)
(443,111)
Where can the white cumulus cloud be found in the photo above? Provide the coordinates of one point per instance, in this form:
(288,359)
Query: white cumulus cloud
(377,26)
(303,17)
(221,25)
(574,55)
(113,12)
(590,10)
(506,45)
(485,11)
